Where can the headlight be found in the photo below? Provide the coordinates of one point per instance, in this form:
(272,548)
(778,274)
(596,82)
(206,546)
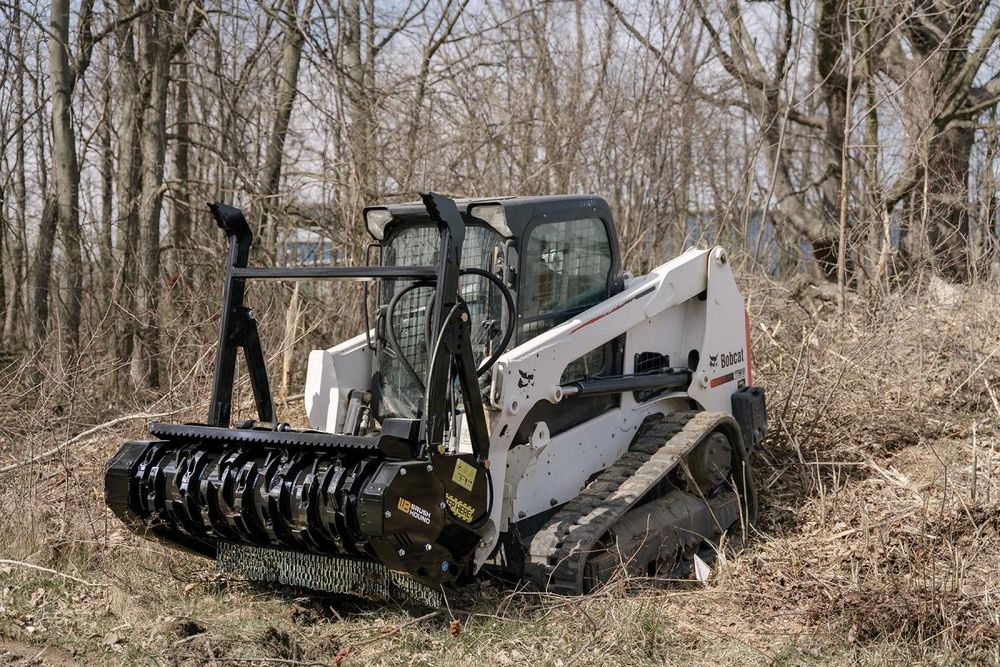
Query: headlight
(375,221)
(493,215)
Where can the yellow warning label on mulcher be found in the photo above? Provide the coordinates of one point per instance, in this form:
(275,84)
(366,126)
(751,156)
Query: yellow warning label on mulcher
(464,475)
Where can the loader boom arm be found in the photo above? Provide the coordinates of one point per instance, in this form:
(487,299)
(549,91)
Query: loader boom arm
(688,309)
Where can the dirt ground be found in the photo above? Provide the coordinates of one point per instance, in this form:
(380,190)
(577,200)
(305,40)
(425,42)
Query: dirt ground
(879,538)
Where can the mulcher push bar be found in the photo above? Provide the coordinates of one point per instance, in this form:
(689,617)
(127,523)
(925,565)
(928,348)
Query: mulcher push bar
(238,328)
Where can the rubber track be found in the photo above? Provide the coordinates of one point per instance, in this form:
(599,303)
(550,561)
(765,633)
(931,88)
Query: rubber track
(559,551)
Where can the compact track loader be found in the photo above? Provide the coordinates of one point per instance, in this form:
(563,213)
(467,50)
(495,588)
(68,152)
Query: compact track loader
(517,402)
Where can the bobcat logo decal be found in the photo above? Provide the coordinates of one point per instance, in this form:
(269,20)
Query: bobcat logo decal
(713,360)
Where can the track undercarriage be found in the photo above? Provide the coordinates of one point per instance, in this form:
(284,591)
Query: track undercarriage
(672,494)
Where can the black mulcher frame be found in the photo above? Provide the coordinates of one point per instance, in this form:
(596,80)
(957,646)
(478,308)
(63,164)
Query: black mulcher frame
(238,329)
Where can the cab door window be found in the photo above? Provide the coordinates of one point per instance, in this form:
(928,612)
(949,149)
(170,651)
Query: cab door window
(566,269)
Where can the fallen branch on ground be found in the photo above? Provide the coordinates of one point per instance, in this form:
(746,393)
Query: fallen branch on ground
(83,434)
(32,566)
(390,630)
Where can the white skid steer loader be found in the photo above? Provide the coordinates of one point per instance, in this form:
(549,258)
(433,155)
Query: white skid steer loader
(516,402)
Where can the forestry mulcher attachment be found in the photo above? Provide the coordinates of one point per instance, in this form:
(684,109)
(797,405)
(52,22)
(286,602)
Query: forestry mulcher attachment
(517,402)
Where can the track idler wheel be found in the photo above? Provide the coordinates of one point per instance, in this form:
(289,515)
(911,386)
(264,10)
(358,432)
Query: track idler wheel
(660,536)
(709,465)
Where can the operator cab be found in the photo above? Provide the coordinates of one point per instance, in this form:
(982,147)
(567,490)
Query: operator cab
(557,255)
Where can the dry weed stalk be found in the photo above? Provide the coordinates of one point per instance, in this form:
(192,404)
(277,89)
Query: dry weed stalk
(871,542)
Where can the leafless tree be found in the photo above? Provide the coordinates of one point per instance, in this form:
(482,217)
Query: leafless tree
(856,140)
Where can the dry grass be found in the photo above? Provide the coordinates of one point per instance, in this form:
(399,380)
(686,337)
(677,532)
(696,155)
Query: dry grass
(879,541)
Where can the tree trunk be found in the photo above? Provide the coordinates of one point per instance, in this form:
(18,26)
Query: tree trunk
(19,255)
(545,77)
(106,239)
(359,112)
(41,264)
(156,54)
(66,172)
(948,202)
(42,273)
(3,251)
(291,55)
(983,233)
(830,41)
(18,258)
(181,223)
(126,196)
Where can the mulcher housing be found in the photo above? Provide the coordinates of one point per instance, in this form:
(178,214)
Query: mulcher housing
(517,402)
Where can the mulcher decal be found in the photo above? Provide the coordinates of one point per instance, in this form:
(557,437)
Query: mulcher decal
(462,510)
(725,360)
(417,512)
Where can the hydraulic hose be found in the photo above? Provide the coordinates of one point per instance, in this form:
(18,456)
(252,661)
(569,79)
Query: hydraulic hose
(390,331)
(487,363)
(509,331)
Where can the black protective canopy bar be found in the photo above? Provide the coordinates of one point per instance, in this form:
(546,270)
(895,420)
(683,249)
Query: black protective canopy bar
(360,273)
(238,328)
(452,351)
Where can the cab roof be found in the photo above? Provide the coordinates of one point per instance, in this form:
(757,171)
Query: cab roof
(519,211)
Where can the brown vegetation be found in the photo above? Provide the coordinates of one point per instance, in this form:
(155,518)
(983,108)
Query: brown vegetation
(879,538)
(846,151)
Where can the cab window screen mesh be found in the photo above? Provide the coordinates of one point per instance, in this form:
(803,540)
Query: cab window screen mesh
(419,245)
(565,271)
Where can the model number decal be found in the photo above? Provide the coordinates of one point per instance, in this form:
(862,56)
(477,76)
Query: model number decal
(464,475)
(738,374)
